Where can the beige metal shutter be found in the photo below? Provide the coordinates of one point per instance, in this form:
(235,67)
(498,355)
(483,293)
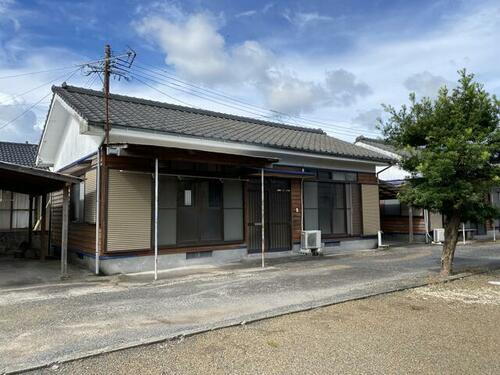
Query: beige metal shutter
(90,196)
(356,209)
(371,213)
(129,211)
(436,221)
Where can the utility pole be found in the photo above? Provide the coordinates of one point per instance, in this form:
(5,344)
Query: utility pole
(116,66)
(107,57)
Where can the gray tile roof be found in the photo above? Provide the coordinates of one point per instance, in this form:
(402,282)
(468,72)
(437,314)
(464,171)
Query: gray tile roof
(379,143)
(150,115)
(18,153)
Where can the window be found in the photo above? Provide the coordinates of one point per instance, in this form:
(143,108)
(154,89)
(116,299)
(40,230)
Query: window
(196,211)
(77,202)
(14,210)
(332,208)
(392,207)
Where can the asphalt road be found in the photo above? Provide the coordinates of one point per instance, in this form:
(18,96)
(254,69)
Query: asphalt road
(46,324)
(449,328)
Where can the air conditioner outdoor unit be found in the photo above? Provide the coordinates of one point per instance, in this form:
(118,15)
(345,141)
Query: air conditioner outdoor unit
(310,241)
(438,235)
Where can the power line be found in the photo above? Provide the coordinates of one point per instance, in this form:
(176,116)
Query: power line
(61,68)
(42,85)
(345,132)
(33,105)
(199,96)
(162,92)
(246,104)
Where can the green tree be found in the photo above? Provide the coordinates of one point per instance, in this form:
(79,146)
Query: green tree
(451,145)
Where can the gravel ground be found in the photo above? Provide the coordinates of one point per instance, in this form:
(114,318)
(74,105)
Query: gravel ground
(450,328)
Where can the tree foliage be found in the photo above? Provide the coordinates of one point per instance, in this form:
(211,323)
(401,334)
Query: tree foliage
(451,148)
(451,145)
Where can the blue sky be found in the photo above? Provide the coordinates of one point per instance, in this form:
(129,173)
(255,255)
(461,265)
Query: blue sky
(316,63)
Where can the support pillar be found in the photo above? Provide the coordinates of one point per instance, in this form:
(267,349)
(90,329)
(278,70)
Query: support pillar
(30,222)
(43,227)
(410,224)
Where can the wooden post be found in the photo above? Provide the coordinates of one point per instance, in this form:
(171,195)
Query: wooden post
(64,233)
(410,224)
(30,222)
(43,226)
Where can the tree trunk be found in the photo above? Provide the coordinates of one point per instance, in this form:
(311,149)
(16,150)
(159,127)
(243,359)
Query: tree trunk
(450,243)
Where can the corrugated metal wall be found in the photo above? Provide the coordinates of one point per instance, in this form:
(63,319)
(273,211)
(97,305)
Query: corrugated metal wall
(129,211)
(90,196)
(356,210)
(371,209)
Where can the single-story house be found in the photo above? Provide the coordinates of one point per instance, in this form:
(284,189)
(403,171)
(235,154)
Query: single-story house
(206,200)
(396,220)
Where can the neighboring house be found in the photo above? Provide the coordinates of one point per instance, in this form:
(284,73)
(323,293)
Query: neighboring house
(397,220)
(209,185)
(15,207)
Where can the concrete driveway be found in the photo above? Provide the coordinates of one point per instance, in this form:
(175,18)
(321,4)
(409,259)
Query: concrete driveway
(43,324)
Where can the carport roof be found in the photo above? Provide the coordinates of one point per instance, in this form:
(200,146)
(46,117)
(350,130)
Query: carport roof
(28,180)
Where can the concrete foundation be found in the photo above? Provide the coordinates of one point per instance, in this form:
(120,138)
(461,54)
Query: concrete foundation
(112,265)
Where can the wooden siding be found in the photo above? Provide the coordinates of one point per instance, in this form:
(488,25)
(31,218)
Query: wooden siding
(296,207)
(81,236)
(400,224)
(367,178)
(371,211)
(90,196)
(129,211)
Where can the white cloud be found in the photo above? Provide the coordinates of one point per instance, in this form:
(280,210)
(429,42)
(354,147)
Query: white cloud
(344,87)
(248,13)
(194,47)
(368,119)
(23,129)
(426,84)
(267,7)
(302,19)
(286,93)
(198,51)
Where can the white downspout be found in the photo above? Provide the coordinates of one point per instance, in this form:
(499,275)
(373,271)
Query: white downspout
(97,210)
(156,219)
(262,196)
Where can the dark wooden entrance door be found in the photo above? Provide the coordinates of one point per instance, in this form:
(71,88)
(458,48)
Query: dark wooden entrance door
(278,236)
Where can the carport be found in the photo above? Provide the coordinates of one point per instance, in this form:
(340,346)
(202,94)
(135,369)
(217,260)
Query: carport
(40,182)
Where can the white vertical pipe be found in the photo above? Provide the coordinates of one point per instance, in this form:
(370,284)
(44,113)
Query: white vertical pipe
(97,210)
(262,213)
(302,203)
(156,219)
(494,221)
(463,232)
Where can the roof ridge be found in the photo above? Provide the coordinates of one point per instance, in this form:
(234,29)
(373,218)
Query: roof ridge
(19,143)
(176,107)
